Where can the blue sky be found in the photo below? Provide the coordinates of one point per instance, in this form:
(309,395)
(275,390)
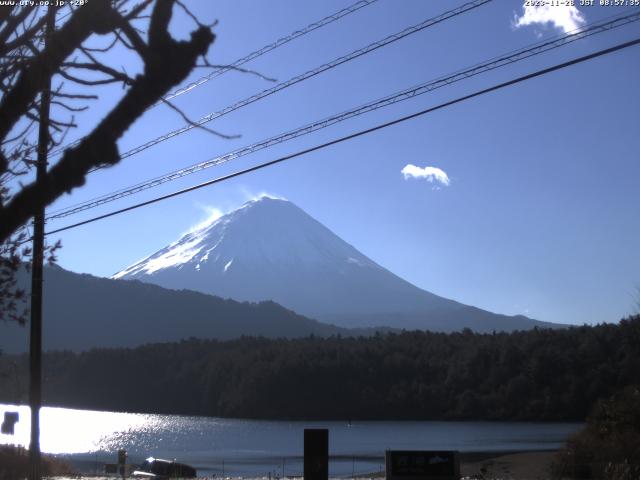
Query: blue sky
(530,201)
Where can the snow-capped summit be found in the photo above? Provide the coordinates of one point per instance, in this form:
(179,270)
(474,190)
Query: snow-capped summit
(261,233)
(269,249)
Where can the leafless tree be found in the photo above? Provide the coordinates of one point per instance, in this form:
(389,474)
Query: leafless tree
(75,65)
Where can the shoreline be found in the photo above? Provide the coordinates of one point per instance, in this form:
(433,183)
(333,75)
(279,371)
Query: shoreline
(496,465)
(529,465)
(511,464)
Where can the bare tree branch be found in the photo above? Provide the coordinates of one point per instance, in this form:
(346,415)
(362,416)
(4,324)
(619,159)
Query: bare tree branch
(167,62)
(12,23)
(196,124)
(69,108)
(114,74)
(78,96)
(23,37)
(95,17)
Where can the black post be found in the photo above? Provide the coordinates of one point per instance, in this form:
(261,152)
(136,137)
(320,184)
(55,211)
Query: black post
(122,462)
(316,454)
(35,339)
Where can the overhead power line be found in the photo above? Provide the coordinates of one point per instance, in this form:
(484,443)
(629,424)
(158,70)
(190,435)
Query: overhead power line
(360,133)
(251,56)
(307,75)
(403,95)
(272,46)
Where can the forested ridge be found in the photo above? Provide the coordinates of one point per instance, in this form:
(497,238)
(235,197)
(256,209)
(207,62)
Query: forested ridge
(529,375)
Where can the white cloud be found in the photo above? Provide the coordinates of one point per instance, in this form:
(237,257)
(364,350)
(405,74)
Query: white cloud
(565,18)
(272,196)
(249,194)
(213,214)
(430,174)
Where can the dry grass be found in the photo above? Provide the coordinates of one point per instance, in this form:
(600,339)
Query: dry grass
(609,446)
(14,464)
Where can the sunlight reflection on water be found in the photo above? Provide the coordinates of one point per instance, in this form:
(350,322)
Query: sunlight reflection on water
(255,447)
(65,430)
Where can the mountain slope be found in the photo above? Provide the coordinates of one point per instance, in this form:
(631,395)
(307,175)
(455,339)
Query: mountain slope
(83,312)
(269,249)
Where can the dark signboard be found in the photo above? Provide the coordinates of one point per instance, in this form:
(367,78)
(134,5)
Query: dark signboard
(422,464)
(10,419)
(316,454)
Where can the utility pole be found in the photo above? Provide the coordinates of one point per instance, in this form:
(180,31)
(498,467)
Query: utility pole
(35,339)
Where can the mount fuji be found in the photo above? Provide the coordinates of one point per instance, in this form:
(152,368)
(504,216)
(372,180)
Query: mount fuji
(270,249)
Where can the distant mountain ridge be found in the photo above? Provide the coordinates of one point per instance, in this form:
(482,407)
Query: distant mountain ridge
(270,249)
(83,312)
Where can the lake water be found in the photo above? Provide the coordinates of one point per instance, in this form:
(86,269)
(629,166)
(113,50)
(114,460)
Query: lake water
(239,447)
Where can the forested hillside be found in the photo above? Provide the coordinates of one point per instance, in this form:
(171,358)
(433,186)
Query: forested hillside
(83,312)
(533,375)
